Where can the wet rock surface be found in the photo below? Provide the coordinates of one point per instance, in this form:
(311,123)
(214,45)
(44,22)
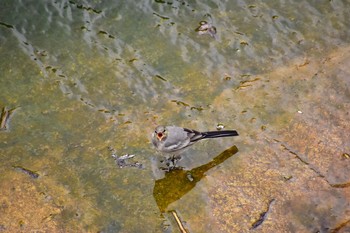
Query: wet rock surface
(301,165)
(105,73)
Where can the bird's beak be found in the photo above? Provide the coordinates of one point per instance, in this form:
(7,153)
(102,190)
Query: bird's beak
(160,136)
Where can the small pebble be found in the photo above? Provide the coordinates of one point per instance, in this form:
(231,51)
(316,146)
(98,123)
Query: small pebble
(220,126)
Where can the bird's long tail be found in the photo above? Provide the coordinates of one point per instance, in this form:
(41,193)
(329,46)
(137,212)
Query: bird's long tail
(218,134)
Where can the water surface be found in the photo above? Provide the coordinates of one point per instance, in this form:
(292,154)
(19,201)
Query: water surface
(84,76)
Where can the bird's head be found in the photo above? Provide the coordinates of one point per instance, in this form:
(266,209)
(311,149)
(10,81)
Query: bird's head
(160,133)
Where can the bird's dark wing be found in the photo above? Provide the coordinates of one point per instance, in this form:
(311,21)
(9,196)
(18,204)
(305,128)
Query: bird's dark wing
(193,135)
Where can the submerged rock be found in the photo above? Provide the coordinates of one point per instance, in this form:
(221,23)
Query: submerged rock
(206,28)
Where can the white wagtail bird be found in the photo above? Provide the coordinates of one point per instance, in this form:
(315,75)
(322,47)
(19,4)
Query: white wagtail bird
(173,139)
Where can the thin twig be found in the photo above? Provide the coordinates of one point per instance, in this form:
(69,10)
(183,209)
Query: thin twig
(179,223)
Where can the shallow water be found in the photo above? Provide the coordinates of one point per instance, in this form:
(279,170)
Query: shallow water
(85,76)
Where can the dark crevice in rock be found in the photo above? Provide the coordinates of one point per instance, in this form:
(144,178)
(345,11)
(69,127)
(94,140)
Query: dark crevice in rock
(262,216)
(340,185)
(340,226)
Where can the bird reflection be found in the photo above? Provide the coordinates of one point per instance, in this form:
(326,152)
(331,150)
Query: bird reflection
(178,182)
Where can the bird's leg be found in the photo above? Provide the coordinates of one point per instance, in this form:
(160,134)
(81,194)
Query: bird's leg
(170,162)
(173,159)
(167,161)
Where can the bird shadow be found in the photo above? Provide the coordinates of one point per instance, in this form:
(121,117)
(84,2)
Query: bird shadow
(179,181)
